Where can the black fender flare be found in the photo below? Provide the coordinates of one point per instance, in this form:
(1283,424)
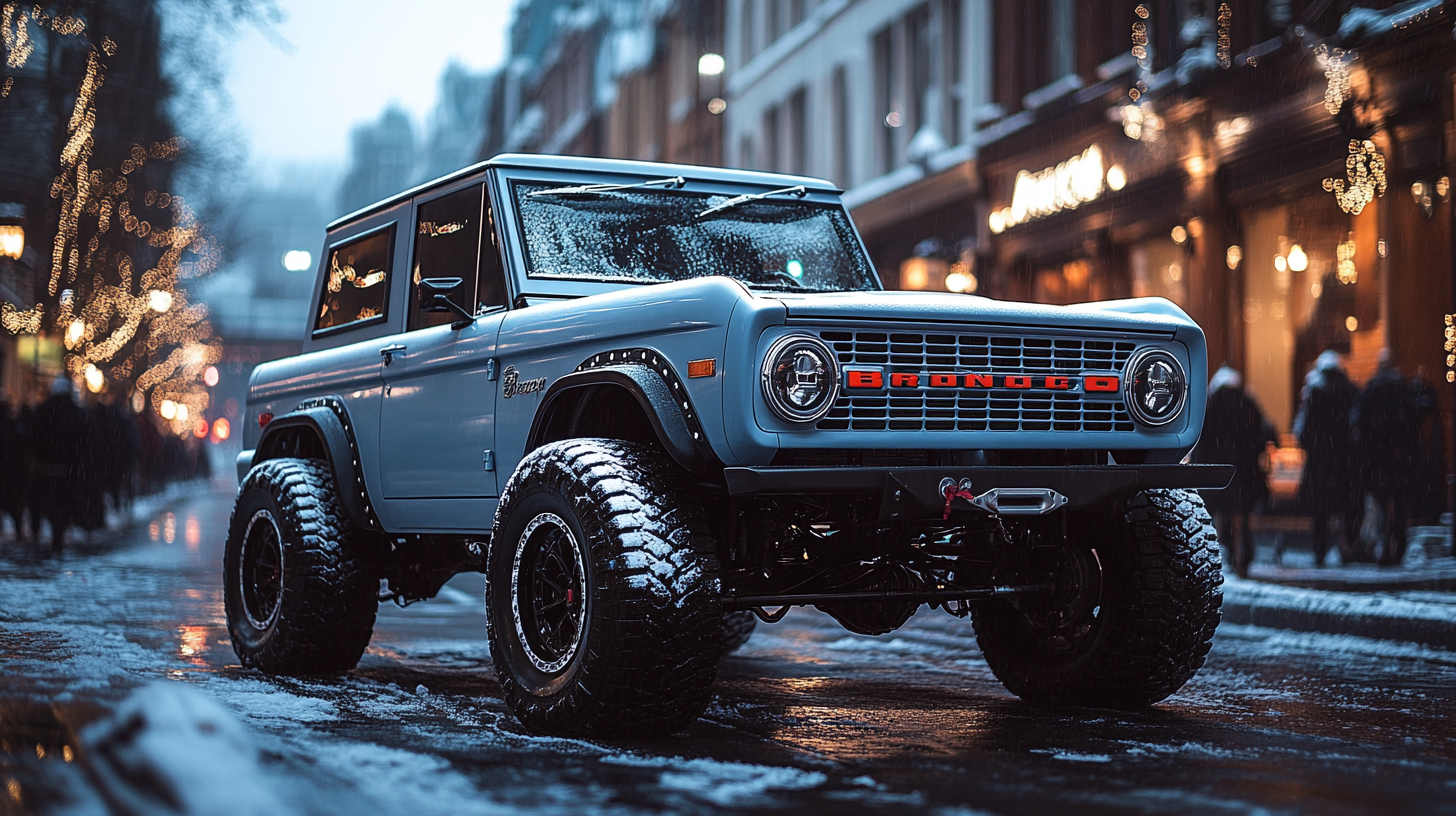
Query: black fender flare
(676,427)
(328,420)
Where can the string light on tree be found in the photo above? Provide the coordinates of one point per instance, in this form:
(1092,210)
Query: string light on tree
(122,326)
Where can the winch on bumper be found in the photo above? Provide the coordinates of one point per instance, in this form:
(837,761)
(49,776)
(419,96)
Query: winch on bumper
(910,493)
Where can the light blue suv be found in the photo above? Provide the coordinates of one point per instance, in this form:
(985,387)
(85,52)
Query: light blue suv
(655,403)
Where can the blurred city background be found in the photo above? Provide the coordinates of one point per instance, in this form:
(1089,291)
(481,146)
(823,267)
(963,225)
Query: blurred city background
(1278,168)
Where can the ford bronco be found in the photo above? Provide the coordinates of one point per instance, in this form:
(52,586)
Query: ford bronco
(656,403)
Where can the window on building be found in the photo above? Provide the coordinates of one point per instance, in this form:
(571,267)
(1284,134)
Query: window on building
(798,135)
(745,31)
(954,75)
(356,290)
(888,108)
(797,9)
(1061,39)
(839,121)
(771,159)
(774,14)
(918,31)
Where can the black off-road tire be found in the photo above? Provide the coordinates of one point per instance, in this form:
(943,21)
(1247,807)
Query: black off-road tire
(737,629)
(321,616)
(643,657)
(1159,606)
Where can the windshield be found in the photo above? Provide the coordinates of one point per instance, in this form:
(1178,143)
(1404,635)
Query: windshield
(655,236)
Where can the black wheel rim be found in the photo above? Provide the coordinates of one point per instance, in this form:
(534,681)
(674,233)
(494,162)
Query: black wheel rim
(1066,619)
(548,592)
(261,570)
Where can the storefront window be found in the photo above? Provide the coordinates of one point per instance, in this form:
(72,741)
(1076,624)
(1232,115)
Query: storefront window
(1159,269)
(1310,285)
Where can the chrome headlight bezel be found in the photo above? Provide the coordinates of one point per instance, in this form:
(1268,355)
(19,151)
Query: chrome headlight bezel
(1138,365)
(779,402)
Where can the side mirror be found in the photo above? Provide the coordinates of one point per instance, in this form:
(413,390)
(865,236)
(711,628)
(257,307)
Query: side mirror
(435,297)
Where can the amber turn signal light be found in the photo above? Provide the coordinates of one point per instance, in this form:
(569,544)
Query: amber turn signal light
(702,368)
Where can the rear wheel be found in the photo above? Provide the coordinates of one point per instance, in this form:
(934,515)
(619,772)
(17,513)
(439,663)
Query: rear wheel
(297,590)
(1132,617)
(602,592)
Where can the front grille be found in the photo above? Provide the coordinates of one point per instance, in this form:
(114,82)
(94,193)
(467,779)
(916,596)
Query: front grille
(992,410)
(985,353)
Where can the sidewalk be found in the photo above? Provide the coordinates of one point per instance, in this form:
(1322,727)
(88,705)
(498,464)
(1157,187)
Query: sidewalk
(1414,616)
(1415,602)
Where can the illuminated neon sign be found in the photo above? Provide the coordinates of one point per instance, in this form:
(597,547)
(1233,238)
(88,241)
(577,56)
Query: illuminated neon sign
(1066,186)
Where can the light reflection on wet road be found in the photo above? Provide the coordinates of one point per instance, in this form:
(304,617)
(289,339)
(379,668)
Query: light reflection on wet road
(807,716)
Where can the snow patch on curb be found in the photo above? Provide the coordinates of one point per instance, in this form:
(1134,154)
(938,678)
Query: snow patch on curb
(726,784)
(1412,617)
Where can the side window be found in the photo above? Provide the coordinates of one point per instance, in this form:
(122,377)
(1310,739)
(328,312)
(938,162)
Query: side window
(448,244)
(356,288)
(492,290)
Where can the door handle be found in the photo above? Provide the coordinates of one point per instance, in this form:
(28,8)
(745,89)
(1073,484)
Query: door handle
(390,350)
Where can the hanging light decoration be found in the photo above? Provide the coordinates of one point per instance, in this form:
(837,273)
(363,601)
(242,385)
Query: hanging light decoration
(1364,177)
(1450,348)
(1298,260)
(1345,260)
(1336,63)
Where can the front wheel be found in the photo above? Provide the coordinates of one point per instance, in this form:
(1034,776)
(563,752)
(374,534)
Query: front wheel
(1132,617)
(602,597)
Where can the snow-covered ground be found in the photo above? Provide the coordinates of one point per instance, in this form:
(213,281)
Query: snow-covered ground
(116,659)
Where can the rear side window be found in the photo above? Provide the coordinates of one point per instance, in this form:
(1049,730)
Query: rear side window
(356,286)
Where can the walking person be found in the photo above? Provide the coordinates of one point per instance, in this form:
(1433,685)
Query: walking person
(1235,432)
(1382,425)
(1428,490)
(58,433)
(1322,426)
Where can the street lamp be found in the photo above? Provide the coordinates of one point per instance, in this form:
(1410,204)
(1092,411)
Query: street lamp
(711,64)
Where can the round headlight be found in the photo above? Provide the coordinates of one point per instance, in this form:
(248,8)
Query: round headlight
(1156,387)
(800,378)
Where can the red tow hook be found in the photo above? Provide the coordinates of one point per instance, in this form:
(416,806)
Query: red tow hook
(953,491)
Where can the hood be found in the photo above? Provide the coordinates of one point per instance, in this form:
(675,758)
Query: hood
(1141,314)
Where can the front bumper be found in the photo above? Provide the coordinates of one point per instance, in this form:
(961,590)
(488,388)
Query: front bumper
(919,492)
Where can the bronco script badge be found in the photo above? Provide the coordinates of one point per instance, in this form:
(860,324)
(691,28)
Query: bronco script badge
(512,384)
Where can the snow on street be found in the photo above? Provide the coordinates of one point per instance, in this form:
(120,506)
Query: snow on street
(807,716)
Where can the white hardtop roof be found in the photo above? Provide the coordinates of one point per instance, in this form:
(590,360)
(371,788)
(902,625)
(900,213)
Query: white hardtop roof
(586,164)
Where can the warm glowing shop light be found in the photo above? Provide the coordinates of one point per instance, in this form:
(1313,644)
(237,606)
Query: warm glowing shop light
(1298,261)
(222,429)
(12,241)
(210,376)
(160,300)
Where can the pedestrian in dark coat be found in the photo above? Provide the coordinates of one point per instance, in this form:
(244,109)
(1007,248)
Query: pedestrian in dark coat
(1428,493)
(12,467)
(1382,426)
(1236,433)
(1323,428)
(58,431)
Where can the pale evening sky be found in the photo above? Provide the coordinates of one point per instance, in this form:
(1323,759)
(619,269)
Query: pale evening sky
(351,58)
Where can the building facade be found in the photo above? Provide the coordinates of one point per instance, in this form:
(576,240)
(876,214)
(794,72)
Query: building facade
(1279,169)
(884,98)
(610,78)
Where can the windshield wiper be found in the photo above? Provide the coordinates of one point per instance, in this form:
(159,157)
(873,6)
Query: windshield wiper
(797,191)
(593,189)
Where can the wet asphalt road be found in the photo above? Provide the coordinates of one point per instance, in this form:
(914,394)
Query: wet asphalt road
(808,718)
